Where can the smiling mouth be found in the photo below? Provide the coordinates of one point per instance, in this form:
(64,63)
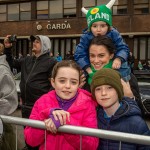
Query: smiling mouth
(66,92)
(98,66)
(103,99)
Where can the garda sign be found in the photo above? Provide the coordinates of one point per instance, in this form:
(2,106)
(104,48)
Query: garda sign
(58,26)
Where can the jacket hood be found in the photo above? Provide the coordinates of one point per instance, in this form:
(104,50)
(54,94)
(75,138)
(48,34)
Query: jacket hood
(3,61)
(45,43)
(129,108)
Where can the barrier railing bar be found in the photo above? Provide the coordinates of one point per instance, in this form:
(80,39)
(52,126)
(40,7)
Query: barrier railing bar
(113,135)
(16,135)
(80,142)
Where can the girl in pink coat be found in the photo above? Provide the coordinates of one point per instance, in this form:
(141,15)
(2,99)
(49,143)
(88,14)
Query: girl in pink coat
(67,104)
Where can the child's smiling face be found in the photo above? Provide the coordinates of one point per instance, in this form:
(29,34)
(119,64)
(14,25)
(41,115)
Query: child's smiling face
(66,82)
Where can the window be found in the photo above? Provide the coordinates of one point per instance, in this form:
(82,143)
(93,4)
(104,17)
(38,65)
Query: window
(13,12)
(120,7)
(2,12)
(56,46)
(102,2)
(42,10)
(62,47)
(135,48)
(141,6)
(142,48)
(69,8)
(88,3)
(25,11)
(56,9)
(74,43)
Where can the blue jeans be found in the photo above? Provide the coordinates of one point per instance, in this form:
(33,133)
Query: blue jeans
(125,71)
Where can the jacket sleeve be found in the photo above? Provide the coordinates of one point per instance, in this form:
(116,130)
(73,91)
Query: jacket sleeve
(81,54)
(30,132)
(13,63)
(122,49)
(8,94)
(90,121)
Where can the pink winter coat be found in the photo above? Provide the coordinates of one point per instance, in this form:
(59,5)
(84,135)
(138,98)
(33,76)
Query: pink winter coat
(82,113)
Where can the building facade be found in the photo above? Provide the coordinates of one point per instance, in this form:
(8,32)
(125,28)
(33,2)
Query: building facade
(63,22)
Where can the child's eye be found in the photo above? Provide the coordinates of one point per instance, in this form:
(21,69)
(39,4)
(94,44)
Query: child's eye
(100,56)
(109,87)
(103,25)
(97,89)
(74,82)
(62,81)
(94,26)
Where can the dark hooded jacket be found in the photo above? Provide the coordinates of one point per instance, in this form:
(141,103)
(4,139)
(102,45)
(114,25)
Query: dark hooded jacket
(35,74)
(127,119)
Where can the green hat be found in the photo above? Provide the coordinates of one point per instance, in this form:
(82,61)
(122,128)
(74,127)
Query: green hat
(99,13)
(107,76)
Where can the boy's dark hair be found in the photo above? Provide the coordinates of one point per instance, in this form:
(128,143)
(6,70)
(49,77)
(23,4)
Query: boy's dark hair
(105,41)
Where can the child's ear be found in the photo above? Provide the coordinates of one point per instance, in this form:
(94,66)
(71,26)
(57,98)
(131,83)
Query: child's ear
(52,82)
(111,56)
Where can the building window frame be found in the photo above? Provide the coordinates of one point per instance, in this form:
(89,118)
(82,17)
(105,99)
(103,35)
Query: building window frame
(141,49)
(26,11)
(42,9)
(3,12)
(15,7)
(141,6)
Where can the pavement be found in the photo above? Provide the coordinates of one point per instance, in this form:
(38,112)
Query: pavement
(21,142)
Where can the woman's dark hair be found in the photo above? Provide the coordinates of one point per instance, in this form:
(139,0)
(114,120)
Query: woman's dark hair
(66,63)
(105,41)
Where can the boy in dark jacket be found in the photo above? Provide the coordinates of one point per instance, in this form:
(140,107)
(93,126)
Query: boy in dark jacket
(115,112)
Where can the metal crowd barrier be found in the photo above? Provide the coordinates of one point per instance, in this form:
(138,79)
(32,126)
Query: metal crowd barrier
(119,136)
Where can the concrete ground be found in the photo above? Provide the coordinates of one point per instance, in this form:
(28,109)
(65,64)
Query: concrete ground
(21,142)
